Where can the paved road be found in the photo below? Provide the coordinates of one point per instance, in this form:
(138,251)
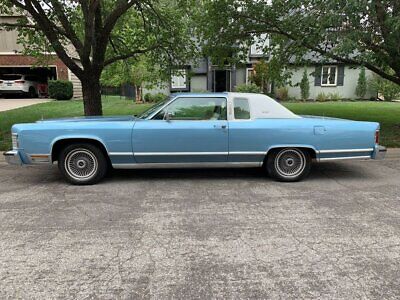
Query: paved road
(8,104)
(202,234)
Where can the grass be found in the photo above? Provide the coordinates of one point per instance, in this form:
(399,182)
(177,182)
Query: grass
(112,105)
(388,114)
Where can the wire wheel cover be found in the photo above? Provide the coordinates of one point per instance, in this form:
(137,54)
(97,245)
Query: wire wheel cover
(290,162)
(81,164)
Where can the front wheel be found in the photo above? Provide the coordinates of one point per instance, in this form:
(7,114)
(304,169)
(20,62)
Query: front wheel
(289,164)
(82,164)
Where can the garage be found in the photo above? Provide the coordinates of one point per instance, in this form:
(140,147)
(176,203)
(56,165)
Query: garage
(25,81)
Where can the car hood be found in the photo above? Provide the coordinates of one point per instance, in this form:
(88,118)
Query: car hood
(91,119)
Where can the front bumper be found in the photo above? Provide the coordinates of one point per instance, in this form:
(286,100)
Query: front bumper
(380,152)
(12,157)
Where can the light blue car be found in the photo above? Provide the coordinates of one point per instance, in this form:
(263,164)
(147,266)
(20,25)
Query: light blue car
(195,130)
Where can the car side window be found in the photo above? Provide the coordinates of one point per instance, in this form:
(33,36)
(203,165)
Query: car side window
(195,108)
(241,109)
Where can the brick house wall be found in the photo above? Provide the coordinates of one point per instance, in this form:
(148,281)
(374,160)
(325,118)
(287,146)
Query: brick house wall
(22,60)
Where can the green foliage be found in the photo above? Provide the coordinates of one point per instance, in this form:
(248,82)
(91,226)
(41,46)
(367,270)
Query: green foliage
(361,88)
(334,97)
(282,93)
(298,31)
(322,97)
(148,97)
(261,75)
(305,86)
(389,90)
(60,89)
(88,36)
(247,88)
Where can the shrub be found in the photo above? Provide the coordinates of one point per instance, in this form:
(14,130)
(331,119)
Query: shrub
(60,89)
(160,97)
(247,88)
(388,89)
(147,97)
(305,86)
(322,97)
(334,97)
(282,93)
(361,88)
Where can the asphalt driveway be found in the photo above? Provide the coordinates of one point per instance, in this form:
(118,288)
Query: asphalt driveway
(202,234)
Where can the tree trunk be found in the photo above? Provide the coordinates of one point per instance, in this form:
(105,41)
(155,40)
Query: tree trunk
(92,96)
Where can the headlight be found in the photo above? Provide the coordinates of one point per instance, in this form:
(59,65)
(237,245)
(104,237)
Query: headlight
(15,143)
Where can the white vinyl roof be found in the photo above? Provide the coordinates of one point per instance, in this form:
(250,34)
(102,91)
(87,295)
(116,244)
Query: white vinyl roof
(264,107)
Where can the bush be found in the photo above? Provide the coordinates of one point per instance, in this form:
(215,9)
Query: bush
(61,89)
(155,97)
(305,86)
(361,88)
(322,97)
(160,97)
(247,88)
(388,89)
(147,97)
(334,97)
(282,93)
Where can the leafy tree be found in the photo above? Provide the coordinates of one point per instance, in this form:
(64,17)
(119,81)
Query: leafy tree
(361,88)
(139,73)
(261,75)
(305,86)
(91,35)
(359,32)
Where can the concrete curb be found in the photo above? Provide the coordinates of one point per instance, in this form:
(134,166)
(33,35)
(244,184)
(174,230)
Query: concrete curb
(392,153)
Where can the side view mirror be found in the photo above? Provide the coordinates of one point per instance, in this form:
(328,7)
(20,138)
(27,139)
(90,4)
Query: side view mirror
(168,116)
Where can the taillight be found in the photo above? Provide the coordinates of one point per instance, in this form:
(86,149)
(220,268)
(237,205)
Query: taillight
(377,137)
(19,81)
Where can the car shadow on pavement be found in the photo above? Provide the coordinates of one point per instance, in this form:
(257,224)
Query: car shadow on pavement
(323,171)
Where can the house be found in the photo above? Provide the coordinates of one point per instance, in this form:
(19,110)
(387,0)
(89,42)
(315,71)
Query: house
(332,79)
(13,61)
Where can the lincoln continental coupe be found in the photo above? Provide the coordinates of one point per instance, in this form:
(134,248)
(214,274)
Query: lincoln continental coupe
(197,131)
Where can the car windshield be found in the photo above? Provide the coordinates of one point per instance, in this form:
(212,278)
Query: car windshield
(10,77)
(152,109)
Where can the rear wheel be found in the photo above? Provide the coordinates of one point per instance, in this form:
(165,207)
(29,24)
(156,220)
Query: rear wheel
(289,164)
(82,164)
(32,92)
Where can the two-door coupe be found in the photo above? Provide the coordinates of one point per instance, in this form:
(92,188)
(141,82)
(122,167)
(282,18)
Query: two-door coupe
(195,130)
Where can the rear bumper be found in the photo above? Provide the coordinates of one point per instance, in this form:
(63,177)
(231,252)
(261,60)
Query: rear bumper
(12,157)
(12,91)
(380,152)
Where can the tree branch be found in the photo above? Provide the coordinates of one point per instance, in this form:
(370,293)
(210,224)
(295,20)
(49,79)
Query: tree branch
(130,54)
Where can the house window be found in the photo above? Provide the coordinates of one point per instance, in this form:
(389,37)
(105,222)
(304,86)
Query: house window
(260,43)
(178,79)
(329,76)
(249,74)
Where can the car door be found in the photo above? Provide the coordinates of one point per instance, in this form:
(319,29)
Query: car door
(187,130)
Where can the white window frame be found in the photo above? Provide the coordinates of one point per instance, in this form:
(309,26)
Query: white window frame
(179,79)
(247,74)
(257,48)
(329,68)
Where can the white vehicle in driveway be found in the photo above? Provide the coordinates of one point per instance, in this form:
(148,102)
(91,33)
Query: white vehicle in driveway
(19,84)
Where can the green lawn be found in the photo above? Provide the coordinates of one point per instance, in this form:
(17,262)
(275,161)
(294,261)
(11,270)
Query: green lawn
(388,114)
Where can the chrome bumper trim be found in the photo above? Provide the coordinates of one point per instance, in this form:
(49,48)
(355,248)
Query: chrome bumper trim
(12,158)
(380,152)
(188,165)
(345,158)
